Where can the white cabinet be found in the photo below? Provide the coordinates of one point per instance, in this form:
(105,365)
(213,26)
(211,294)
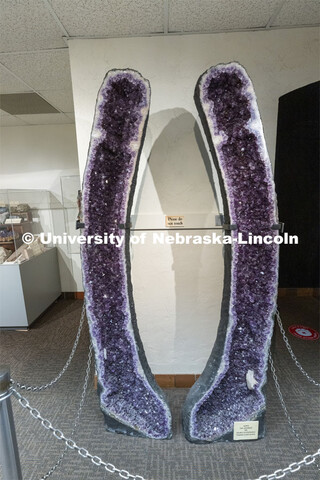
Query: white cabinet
(28,289)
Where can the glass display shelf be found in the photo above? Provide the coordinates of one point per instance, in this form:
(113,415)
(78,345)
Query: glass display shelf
(23,212)
(29,270)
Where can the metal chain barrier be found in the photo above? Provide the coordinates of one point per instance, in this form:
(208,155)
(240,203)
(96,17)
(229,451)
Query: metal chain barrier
(308,459)
(70,443)
(292,468)
(109,467)
(276,382)
(81,404)
(294,358)
(284,407)
(39,388)
(124,474)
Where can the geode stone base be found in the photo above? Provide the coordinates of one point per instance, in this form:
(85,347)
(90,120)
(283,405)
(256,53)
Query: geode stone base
(227,437)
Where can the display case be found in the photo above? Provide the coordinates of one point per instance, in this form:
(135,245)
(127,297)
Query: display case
(70,186)
(29,270)
(23,212)
(72,275)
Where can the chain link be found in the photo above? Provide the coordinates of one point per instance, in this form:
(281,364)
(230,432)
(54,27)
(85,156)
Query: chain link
(39,388)
(292,468)
(276,382)
(70,443)
(294,358)
(76,421)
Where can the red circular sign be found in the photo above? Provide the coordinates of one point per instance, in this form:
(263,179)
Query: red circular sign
(306,333)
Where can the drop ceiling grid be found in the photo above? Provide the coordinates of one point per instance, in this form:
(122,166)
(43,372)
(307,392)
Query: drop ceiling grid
(38,119)
(46,73)
(41,70)
(7,120)
(45,119)
(11,121)
(214,15)
(38,59)
(61,99)
(32,24)
(103,18)
(296,13)
(10,84)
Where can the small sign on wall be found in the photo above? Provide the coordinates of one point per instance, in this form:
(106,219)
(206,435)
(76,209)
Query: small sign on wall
(174,221)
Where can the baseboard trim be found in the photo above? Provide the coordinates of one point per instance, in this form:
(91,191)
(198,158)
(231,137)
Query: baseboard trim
(169,381)
(79,295)
(176,380)
(73,295)
(298,292)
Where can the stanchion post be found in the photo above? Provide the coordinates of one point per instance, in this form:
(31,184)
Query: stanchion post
(9,453)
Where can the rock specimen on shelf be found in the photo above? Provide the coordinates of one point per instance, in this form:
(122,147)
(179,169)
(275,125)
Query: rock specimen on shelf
(130,399)
(230,388)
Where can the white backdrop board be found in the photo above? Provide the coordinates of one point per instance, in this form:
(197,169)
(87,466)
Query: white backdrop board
(178,288)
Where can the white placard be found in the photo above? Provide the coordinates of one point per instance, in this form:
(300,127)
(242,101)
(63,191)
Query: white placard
(246,430)
(11,221)
(174,220)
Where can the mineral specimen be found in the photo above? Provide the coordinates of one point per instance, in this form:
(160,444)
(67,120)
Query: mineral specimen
(230,388)
(130,399)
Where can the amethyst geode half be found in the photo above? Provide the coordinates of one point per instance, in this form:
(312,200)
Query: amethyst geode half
(130,398)
(230,388)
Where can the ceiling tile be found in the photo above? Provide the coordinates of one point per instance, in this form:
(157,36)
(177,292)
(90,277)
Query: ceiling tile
(49,70)
(215,15)
(10,121)
(10,84)
(299,12)
(71,115)
(61,99)
(46,119)
(33,26)
(109,17)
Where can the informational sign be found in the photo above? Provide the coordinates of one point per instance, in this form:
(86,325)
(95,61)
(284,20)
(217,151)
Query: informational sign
(306,333)
(246,430)
(174,221)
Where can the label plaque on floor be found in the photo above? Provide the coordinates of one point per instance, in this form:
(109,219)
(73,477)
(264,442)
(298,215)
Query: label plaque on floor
(246,430)
(174,221)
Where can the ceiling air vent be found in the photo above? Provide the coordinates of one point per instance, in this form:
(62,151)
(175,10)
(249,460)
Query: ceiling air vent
(25,104)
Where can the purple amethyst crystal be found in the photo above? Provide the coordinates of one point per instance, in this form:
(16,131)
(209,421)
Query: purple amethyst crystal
(230,388)
(130,398)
